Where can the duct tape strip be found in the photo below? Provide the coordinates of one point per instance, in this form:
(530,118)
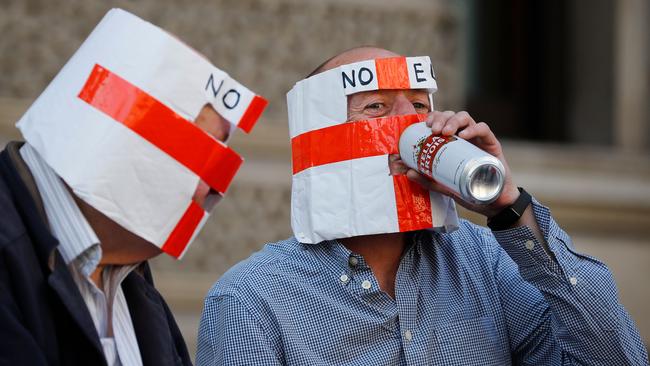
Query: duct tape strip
(392,73)
(252,114)
(413,205)
(181,139)
(184,231)
(350,140)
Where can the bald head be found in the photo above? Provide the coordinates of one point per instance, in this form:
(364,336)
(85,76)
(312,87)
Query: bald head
(353,55)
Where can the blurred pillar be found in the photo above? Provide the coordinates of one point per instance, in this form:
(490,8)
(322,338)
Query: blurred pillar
(591,74)
(632,115)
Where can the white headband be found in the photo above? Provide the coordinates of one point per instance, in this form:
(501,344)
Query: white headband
(321,100)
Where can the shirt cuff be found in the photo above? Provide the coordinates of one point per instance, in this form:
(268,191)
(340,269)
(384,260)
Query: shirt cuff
(565,273)
(529,254)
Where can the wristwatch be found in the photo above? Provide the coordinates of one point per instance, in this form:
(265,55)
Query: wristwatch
(509,215)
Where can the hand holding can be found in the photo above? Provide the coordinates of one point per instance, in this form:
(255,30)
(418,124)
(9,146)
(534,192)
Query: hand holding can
(475,175)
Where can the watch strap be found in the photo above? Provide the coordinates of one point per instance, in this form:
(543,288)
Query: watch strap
(511,214)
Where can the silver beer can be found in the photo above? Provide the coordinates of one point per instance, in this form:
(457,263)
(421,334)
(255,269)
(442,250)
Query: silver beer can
(475,175)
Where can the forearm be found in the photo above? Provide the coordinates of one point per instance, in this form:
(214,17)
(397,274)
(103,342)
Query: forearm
(588,322)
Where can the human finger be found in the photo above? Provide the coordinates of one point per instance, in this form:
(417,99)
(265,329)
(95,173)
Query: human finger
(438,119)
(458,121)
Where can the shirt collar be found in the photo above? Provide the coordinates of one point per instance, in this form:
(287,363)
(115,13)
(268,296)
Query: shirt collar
(77,240)
(335,256)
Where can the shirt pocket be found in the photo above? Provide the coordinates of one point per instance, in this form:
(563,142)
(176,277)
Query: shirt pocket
(471,342)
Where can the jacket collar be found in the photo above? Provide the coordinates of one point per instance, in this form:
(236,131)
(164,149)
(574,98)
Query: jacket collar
(28,202)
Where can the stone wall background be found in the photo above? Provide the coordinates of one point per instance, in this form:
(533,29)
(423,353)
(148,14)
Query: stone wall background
(601,196)
(265,44)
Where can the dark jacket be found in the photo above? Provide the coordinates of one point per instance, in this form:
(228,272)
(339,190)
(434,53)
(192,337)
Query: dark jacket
(43,318)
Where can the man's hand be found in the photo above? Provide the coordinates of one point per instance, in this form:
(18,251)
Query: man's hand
(462,124)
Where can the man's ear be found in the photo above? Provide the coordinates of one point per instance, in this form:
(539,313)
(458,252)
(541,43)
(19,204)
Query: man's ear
(210,121)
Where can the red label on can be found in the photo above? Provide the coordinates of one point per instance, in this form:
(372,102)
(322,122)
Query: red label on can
(428,150)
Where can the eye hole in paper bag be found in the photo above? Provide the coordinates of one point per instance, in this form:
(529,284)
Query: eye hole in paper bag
(234,102)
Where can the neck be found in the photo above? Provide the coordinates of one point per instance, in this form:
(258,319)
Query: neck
(119,246)
(382,253)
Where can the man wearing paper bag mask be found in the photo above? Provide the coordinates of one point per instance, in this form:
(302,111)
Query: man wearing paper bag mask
(124,157)
(382,272)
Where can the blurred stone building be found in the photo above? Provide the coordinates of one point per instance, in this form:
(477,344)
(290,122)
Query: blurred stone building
(564,83)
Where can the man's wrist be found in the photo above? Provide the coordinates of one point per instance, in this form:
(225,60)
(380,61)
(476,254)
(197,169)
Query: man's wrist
(509,215)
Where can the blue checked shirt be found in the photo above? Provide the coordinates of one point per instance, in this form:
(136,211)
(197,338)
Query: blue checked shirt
(471,297)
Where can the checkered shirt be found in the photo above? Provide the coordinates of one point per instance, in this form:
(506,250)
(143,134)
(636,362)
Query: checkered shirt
(471,297)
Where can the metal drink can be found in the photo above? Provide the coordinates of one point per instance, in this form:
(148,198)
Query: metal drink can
(474,174)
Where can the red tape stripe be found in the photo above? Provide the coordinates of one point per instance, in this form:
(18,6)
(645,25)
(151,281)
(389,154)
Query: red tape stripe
(181,139)
(347,141)
(413,205)
(392,73)
(252,113)
(182,233)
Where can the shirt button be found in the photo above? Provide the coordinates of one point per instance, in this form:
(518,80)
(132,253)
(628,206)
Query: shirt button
(530,244)
(366,284)
(353,261)
(344,278)
(408,335)
(573,281)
